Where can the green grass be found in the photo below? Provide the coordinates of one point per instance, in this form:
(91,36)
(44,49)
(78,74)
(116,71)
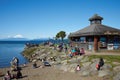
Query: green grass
(29,51)
(108,58)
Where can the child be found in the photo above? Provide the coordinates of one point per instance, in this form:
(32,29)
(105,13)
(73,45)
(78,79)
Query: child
(78,68)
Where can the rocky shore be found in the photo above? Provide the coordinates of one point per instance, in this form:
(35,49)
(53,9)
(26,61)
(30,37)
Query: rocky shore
(63,67)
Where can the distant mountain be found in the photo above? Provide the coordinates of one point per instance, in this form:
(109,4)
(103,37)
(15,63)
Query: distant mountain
(14,39)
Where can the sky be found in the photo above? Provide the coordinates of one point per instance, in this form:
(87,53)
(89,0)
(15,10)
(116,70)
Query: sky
(45,18)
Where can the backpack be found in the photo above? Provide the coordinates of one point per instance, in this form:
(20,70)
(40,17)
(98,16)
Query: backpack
(97,66)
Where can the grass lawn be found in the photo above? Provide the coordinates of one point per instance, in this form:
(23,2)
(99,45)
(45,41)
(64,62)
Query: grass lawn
(110,58)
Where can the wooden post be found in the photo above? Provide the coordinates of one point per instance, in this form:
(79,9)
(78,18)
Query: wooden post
(95,43)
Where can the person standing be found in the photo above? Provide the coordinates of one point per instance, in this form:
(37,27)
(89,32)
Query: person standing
(16,60)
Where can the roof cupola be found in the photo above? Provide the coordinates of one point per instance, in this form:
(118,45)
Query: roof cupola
(95,19)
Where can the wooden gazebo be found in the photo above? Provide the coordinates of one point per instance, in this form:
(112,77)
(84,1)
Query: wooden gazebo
(96,36)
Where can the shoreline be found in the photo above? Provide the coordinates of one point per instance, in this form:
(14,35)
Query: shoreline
(66,69)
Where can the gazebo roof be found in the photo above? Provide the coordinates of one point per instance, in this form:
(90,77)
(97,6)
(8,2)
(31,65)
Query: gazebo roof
(95,17)
(96,29)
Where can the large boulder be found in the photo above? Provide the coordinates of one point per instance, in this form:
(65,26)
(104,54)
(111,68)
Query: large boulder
(116,63)
(64,62)
(103,73)
(79,58)
(85,59)
(35,60)
(85,73)
(106,67)
(64,67)
(95,60)
(116,69)
(73,60)
(72,67)
(48,53)
(117,77)
(93,66)
(86,64)
(42,50)
(43,56)
(58,66)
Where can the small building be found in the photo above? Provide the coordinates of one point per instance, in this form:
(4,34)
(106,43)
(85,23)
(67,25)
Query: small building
(96,36)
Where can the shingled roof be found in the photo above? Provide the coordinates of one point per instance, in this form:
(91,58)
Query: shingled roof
(96,29)
(95,17)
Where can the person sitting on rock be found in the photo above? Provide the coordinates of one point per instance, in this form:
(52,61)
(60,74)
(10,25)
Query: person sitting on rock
(70,53)
(78,68)
(82,51)
(7,76)
(34,65)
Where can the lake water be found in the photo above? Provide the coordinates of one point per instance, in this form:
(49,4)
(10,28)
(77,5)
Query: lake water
(8,50)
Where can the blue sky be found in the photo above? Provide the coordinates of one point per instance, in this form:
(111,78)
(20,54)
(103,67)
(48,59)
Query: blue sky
(44,18)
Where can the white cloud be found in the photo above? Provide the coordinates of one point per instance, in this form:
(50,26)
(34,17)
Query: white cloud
(18,36)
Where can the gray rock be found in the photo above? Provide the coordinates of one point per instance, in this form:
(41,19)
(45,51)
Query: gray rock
(64,67)
(85,59)
(85,73)
(73,60)
(43,56)
(43,50)
(64,62)
(34,60)
(63,56)
(116,69)
(94,72)
(90,67)
(72,67)
(58,59)
(52,63)
(93,66)
(116,63)
(86,64)
(37,52)
(57,62)
(117,77)
(106,67)
(102,73)
(95,60)
(48,53)
(84,68)
(58,66)
(79,58)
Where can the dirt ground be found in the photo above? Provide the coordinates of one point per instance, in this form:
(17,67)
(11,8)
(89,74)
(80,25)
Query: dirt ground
(48,73)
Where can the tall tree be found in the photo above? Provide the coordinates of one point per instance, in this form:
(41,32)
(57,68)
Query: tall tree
(57,36)
(62,35)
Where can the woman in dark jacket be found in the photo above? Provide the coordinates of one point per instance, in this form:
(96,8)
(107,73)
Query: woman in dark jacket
(101,63)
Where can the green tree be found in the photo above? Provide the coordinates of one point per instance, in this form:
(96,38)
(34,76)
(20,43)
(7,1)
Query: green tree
(57,36)
(62,35)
